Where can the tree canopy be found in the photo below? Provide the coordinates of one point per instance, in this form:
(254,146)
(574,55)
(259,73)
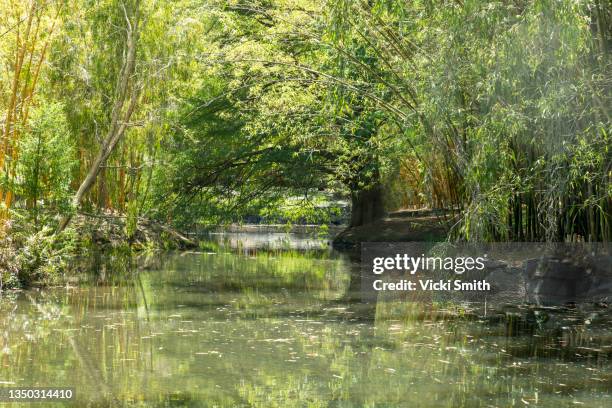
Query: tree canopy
(205,111)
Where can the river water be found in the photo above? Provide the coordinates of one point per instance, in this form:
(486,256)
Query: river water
(270,321)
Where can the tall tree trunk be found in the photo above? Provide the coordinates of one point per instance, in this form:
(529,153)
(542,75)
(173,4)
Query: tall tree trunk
(102,189)
(126,91)
(367,206)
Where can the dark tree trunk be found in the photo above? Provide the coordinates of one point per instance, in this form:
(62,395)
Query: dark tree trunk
(102,190)
(367,206)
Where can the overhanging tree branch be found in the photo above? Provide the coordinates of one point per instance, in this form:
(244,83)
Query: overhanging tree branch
(127,92)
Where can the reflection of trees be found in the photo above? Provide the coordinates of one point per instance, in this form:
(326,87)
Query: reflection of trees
(22,323)
(43,328)
(120,338)
(222,329)
(417,351)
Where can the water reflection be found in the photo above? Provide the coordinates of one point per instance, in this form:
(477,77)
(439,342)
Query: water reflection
(280,329)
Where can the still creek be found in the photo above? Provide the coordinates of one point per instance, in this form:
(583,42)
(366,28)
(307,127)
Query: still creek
(270,320)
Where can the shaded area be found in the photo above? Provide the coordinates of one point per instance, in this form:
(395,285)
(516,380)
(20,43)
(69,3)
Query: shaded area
(394,228)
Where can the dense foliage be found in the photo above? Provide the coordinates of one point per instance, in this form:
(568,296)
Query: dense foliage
(195,112)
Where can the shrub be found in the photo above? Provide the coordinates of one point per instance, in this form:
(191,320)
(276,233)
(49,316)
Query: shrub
(28,257)
(9,265)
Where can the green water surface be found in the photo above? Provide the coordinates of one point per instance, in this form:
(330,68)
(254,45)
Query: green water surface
(282,327)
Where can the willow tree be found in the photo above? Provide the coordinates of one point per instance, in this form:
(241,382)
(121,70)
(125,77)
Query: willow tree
(234,146)
(269,120)
(505,104)
(126,95)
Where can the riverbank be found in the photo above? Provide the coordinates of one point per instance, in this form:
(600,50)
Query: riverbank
(112,230)
(399,226)
(33,255)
